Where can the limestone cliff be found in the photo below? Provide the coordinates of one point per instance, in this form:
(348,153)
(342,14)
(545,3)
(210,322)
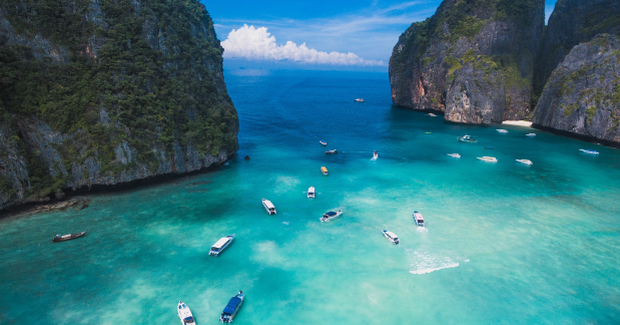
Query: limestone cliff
(582,95)
(97,92)
(573,22)
(473,60)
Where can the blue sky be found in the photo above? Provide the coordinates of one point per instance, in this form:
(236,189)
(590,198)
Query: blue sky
(362,32)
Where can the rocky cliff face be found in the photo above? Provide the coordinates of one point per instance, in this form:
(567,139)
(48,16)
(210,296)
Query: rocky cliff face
(99,92)
(473,60)
(573,22)
(582,95)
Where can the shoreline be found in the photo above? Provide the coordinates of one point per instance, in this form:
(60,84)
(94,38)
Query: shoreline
(79,198)
(518,123)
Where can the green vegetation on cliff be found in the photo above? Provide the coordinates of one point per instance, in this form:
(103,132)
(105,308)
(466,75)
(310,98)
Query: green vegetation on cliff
(143,73)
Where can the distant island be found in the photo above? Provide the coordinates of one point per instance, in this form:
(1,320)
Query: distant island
(484,62)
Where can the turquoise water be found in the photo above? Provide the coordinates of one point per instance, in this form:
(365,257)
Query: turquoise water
(504,243)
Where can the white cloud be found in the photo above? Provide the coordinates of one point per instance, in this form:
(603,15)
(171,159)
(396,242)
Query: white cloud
(258,44)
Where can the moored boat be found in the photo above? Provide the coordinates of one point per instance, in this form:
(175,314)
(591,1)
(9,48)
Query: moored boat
(431,115)
(271,209)
(525,162)
(454,155)
(324,171)
(331,215)
(185,314)
(467,139)
(504,131)
(232,308)
(375,154)
(488,159)
(323,142)
(418,219)
(59,238)
(333,151)
(311,192)
(359,100)
(531,135)
(391,237)
(589,152)
(221,245)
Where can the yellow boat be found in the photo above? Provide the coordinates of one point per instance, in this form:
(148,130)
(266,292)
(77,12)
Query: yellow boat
(324,171)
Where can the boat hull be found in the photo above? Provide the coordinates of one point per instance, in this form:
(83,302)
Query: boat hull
(330,218)
(69,237)
(218,252)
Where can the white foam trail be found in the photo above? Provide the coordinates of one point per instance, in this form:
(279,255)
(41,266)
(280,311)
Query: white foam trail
(421,229)
(423,261)
(424,271)
(286,222)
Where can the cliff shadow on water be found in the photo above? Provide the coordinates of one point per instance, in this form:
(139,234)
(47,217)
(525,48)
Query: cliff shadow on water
(107,93)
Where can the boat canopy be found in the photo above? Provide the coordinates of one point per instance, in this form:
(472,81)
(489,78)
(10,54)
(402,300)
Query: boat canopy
(221,243)
(330,213)
(323,169)
(391,234)
(232,305)
(269,205)
(188,319)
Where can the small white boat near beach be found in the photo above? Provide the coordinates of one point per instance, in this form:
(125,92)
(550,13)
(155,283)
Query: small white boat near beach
(221,245)
(467,139)
(375,155)
(589,152)
(454,155)
(271,209)
(525,162)
(359,100)
(503,131)
(311,192)
(488,159)
(531,135)
(185,314)
(432,115)
(418,219)
(331,215)
(391,237)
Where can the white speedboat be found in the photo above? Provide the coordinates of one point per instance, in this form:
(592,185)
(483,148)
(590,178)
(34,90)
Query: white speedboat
(418,219)
(185,314)
(323,142)
(359,100)
(331,215)
(589,152)
(531,135)
(271,209)
(525,162)
(331,151)
(488,159)
(311,192)
(504,131)
(391,237)
(431,115)
(221,245)
(454,155)
(467,139)
(375,155)
(232,308)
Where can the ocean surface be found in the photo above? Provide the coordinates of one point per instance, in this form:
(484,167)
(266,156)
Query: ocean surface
(504,244)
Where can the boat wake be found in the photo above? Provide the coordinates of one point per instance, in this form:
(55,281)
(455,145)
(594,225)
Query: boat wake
(421,229)
(423,262)
(286,223)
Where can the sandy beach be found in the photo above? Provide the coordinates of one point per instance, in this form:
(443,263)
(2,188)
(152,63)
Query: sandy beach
(518,123)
